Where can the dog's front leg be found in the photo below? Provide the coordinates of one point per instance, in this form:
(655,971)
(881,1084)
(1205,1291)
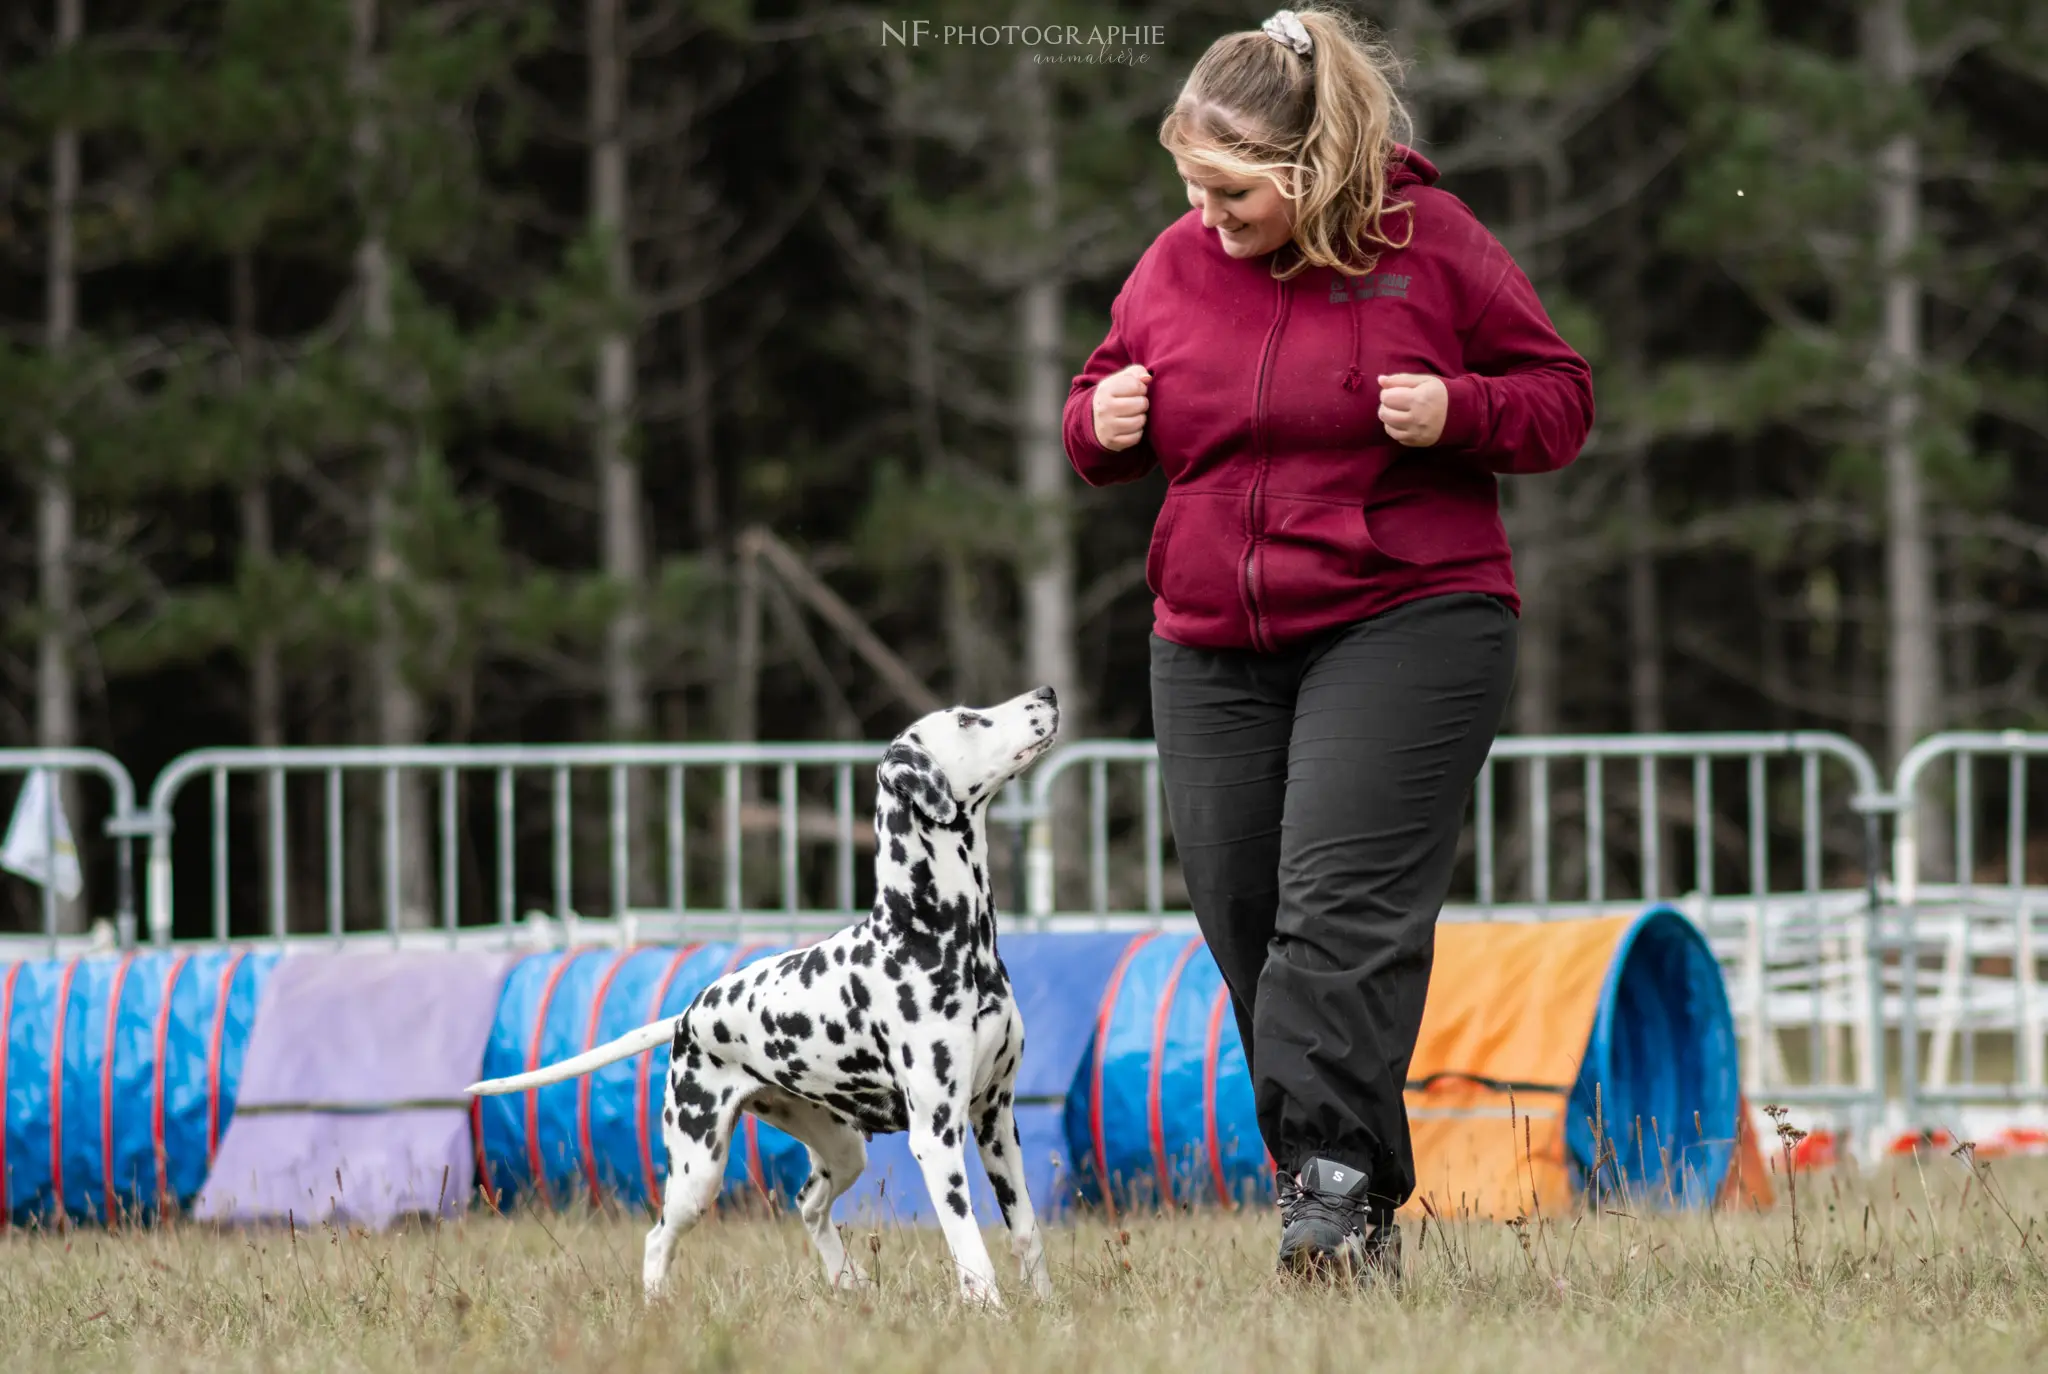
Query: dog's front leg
(1002,1155)
(938,1132)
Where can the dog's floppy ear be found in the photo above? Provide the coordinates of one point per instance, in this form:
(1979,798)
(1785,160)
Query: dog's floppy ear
(908,774)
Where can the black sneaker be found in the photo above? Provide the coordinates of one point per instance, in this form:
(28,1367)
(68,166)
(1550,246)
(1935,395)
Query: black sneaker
(1327,1230)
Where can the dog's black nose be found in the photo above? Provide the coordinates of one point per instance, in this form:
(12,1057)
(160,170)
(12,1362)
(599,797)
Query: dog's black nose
(1047,695)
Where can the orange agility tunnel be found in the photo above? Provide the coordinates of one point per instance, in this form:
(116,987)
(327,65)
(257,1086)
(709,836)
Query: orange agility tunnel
(1556,1059)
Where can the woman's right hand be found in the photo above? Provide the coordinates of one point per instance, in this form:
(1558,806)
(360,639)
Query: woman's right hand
(1120,405)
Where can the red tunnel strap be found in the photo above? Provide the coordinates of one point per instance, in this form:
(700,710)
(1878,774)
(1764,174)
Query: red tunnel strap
(107,1086)
(646,1075)
(156,1101)
(1218,1009)
(476,1120)
(604,988)
(1102,1019)
(754,1175)
(483,1163)
(57,1087)
(1155,1108)
(6,1033)
(213,1054)
(540,1025)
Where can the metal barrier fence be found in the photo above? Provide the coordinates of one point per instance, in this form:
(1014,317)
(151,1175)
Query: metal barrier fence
(435,873)
(1985,1021)
(62,765)
(1785,883)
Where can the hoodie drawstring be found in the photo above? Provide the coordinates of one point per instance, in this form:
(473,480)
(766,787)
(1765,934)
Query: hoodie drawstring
(1354,380)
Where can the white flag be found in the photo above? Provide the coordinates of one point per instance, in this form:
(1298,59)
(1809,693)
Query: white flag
(31,835)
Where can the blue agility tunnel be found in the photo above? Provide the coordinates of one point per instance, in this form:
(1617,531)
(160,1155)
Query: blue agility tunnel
(1616,1024)
(1162,1093)
(117,1075)
(599,1136)
(1663,1058)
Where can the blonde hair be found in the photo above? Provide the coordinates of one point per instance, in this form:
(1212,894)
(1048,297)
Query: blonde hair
(1321,127)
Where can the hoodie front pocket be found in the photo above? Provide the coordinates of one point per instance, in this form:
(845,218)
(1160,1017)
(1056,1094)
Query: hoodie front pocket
(1422,516)
(1155,552)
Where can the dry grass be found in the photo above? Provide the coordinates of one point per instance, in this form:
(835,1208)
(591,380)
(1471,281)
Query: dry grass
(1930,1267)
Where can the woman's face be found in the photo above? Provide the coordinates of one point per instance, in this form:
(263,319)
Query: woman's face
(1250,217)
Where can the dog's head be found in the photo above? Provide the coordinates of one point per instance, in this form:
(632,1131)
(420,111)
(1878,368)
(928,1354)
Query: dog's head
(957,758)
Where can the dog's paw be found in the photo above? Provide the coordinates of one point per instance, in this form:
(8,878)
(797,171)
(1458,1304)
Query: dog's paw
(979,1292)
(852,1279)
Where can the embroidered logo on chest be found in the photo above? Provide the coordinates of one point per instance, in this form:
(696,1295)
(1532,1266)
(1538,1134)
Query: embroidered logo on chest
(1368,286)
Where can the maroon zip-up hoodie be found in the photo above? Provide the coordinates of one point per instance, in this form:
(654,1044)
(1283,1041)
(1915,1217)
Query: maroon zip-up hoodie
(1289,509)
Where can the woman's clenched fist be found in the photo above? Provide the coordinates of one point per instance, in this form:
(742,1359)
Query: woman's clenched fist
(1120,405)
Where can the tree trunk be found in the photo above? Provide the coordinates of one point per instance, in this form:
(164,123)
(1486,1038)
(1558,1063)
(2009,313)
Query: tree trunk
(1046,564)
(627,709)
(714,541)
(1645,637)
(399,714)
(1044,473)
(259,550)
(1913,671)
(56,563)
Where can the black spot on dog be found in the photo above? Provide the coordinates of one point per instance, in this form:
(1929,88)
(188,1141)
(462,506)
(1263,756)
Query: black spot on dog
(720,1033)
(909,1059)
(906,1002)
(942,1062)
(835,1032)
(957,1202)
(1006,1196)
(696,1110)
(814,966)
(861,1061)
(711,997)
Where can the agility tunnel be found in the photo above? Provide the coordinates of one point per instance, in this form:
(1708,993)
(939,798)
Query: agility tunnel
(1554,1058)
(118,1076)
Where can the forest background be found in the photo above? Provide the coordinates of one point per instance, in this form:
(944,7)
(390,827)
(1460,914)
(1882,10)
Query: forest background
(388,371)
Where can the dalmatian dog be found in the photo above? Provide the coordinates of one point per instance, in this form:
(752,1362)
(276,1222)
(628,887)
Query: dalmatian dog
(903,1021)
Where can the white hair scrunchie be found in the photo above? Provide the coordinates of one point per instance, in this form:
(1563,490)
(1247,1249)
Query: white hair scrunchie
(1286,29)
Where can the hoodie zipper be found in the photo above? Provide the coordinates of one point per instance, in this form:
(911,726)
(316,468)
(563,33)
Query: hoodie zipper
(1251,553)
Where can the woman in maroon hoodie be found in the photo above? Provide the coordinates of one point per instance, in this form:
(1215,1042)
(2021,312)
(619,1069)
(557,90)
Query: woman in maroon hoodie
(1333,361)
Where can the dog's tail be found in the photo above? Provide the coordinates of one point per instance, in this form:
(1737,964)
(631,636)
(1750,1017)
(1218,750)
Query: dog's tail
(631,1043)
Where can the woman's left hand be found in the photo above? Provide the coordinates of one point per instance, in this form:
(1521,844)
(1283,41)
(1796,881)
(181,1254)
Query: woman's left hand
(1413,406)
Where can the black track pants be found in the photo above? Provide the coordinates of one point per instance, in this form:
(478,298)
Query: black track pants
(1316,797)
